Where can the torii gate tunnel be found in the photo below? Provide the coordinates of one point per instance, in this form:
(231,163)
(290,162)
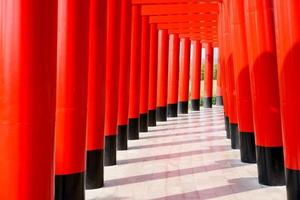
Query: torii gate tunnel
(78,74)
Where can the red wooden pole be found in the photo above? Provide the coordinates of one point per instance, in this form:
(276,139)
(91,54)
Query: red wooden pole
(71,103)
(152,96)
(208,76)
(265,91)
(196,75)
(174,44)
(144,82)
(112,80)
(230,82)
(222,51)
(219,96)
(184,75)
(288,37)
(96,95)
(162,75)
(28,40)
(124,67)
(242,83)
(135,71)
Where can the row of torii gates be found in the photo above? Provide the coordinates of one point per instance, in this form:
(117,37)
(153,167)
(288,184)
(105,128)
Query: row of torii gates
(115,68)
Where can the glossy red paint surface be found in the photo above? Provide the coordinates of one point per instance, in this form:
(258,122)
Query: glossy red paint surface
(263,72)
(241,68)
(173,80)
(196,69)
(288,45)
(144,82)
(72,75)
(153,62)
(162,73)
(96,75)
(184,69)
(135,63)
(112,66)
(124,67)
(27,98)
(208,71)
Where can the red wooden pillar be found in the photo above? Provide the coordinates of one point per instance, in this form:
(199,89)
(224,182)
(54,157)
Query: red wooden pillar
(196,75)
(112,80)
(230,82)
(219,96)
(173,79)
(208,76)
(265,91)
(71,104)
(152,96)
(124,69)
(288,37)
(184,75)
(222,51)
(144,82)
(28,40)
(135,71)
(242,83)
(96,95)
(162,75)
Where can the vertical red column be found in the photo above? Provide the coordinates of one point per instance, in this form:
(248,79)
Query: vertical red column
(152,97)
(124,69)
(219,96)
(222,51)
(173,79)
(162,75)
(208,76)
(135,71)
(71,104)
(144,82)
(242,83)
(288,38)
(265,91)
(184,75)
(230,82)
(112,80)
(196,74)
(96,95)
(28,40)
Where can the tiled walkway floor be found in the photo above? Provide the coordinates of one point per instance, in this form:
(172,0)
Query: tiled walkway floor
(185,158)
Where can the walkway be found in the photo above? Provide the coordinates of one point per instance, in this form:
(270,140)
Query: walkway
(185,158)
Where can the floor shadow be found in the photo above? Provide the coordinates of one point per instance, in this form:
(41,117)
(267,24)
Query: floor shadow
(218,165)
(188,126)
(211,149)
(184,133)
(180,121)
(234,186)
(173,143)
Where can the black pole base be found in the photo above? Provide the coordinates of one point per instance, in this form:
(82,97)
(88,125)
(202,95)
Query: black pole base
(270,165)
(183,107)
(133,129)
(110,153)
(122,142)
(207,102)
(227,129)
(293,184)
(152,118)
(144,122)
(247,147)
(195,104)
(234,132)
(161,114)
(70,187)
(94,169)
(219,101)
(172,110)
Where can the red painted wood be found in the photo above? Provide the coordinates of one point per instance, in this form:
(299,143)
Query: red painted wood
(196,70)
